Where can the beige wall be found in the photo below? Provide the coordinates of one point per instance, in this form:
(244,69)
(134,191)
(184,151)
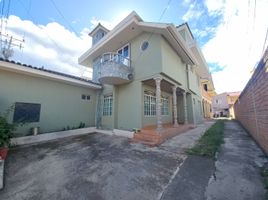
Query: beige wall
(61,103)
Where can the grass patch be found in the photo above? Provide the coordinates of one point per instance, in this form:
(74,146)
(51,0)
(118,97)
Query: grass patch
(210,142)
(264,174)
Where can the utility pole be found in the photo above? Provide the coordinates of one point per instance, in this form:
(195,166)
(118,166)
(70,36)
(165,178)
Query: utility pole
(7,44)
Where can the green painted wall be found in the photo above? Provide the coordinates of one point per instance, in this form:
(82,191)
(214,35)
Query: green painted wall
(107,122)
(146,63)
(130,106)
(61,104)
(193,81)
(172,64)
(197,109)
(189,101)
(180,109)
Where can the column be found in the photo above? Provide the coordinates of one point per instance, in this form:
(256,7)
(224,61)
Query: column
(185,108)
(158,103)
(174,89)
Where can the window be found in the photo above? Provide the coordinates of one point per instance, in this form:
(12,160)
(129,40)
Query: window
(144,45)
(124,54)
(26,112)
(149,104)
(165,106)
(85,97)
(107,105)
(205,87)
(124,51)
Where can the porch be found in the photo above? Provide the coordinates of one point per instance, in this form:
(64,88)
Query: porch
(150,136)
(160,123)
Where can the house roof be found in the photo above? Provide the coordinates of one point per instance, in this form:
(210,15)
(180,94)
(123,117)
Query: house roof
(11,65)
(99,26)
(131,27)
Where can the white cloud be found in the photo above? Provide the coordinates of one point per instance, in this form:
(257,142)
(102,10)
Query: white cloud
(214,6)
(111,23)
(50,45)
(192,13)
(237,44)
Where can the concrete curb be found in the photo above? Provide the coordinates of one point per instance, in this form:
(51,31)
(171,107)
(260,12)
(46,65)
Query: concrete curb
(62,134)
(51,136)
(2,163)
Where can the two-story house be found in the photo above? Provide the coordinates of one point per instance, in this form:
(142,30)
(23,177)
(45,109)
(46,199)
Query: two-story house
(151,73)
(223,104)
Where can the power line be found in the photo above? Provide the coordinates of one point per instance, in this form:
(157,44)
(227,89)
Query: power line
(8,8)
(60,13)
(32,18)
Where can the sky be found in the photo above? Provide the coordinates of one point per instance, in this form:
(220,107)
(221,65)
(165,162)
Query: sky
(231,33)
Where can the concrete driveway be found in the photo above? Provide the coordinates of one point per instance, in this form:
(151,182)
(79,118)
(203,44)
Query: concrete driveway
(94,166)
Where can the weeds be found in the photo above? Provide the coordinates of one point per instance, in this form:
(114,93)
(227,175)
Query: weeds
(210,142)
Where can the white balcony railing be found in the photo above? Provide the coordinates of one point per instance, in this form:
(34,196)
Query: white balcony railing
(114,69)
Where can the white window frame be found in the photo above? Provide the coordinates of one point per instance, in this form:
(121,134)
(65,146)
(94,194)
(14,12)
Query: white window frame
(125,61)
(165,105)
(150,104)
(107,105)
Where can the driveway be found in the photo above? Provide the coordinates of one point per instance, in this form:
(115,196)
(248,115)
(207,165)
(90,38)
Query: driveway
(94,166)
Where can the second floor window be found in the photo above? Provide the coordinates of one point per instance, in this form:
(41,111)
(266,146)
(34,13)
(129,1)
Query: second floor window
(124,51)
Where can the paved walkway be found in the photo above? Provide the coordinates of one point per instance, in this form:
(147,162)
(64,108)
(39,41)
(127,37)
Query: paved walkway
(238,165)
(234,176)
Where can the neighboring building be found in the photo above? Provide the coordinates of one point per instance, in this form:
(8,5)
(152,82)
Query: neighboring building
(151,75)
(223,104)
(46,99)
(251,109)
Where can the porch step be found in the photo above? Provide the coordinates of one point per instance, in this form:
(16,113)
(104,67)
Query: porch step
(150,137)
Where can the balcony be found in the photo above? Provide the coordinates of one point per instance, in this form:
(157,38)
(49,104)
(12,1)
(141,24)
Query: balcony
(114,69)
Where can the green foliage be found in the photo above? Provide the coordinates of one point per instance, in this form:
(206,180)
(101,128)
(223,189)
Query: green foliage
(210,142)
(264,174)
(6,129)
(81,125)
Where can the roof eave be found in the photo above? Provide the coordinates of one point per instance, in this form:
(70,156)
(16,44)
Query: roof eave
(43,74)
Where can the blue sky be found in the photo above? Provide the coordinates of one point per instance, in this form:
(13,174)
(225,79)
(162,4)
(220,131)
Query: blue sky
(231,33)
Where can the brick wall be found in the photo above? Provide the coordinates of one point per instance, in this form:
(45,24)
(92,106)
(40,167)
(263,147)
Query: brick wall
(251,109)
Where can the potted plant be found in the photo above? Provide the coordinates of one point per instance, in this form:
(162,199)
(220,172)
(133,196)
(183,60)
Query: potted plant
(6,133)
